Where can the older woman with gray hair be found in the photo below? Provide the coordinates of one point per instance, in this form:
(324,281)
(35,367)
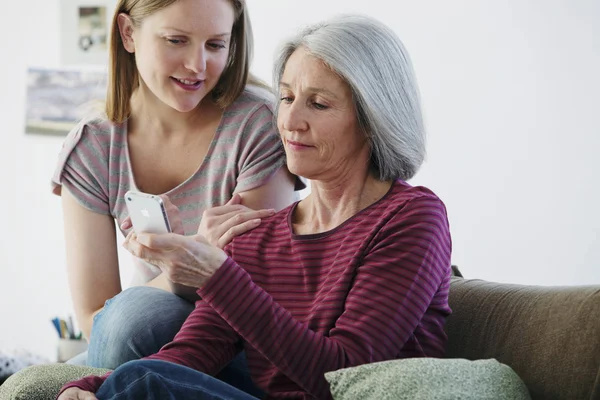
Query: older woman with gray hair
(355,273)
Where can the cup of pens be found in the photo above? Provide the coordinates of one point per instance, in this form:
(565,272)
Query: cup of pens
(70,342)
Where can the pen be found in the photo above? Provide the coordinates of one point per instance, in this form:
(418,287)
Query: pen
(64,332)
(56,325)
(71,328)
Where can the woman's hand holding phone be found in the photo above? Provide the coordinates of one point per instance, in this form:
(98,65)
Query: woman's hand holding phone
(192,260)
(175,222)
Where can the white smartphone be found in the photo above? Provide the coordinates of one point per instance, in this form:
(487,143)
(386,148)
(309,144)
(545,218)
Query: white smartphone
(147,212)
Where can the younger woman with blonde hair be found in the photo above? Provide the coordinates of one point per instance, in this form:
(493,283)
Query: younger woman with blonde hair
(185,120)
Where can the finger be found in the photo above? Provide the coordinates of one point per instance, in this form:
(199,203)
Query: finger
(237,230)
(165,241)
(243,217)
(173,214)
(128,237)
(126,224)
(128,243)
(137,249)
(236,217)
(87,396)
(166,201)
(226,209)
(235,199)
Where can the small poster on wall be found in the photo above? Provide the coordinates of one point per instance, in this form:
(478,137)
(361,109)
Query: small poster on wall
(85,31)
(58,98)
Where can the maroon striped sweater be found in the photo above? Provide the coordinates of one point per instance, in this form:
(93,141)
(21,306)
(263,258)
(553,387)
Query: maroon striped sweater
(375,288)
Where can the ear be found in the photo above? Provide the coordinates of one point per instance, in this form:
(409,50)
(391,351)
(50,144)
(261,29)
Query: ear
(126,32)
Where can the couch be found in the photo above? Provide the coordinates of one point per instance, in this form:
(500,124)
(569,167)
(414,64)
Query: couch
(550,336)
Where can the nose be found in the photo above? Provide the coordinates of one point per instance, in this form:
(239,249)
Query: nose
(292,117)
(196,60)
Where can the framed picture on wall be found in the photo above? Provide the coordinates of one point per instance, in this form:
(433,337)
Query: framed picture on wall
(58,98)
(85,30)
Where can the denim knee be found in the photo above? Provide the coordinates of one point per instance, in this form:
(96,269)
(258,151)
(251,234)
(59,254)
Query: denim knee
(134,324)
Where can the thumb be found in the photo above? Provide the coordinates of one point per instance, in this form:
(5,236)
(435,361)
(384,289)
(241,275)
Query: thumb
(126,224)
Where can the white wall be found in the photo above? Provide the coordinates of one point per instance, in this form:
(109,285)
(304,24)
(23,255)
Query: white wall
(511,94)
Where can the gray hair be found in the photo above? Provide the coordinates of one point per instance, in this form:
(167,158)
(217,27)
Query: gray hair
(372,60)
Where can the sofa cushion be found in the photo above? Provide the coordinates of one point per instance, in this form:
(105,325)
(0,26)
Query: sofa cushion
(427,378)
(43,382)
(550,336)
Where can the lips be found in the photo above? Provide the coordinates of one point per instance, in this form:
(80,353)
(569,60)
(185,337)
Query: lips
(188,84)
(294,143)
(187,81)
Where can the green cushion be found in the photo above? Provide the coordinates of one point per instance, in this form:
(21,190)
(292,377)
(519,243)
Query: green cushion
(43,382)
(428,378)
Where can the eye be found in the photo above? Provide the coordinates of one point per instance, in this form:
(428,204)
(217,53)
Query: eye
(175,41)
(287,100)
(319,106)
(216,46)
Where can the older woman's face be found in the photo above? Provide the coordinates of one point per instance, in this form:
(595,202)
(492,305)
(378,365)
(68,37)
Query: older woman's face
(317,121)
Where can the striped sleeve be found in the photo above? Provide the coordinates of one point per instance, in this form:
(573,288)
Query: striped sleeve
(83,169)
(394,285)
(89,383)
(262,154)
(205,343)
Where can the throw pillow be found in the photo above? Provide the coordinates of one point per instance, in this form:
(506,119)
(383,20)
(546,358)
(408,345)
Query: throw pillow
(43,382)
(427,379)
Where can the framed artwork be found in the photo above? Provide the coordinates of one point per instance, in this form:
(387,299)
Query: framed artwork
(58,98)
(85,31)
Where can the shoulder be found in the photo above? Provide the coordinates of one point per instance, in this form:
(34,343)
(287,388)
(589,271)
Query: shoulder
(405,202)
(88,145)
(253,98)
(250,117)
(94,130)
(272,229)
(401,193)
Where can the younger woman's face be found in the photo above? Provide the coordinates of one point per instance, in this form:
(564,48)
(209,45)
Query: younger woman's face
(181,50)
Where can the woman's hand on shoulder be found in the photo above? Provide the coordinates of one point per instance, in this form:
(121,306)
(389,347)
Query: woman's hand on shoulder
(75,393)
(221,224)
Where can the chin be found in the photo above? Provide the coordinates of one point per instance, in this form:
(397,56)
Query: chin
(186,107)
(301,169)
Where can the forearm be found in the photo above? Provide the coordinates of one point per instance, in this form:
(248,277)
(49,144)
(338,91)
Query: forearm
(272,329)
(358,336)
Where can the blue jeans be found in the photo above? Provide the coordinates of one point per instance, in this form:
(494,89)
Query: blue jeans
(162,380)
(137,322)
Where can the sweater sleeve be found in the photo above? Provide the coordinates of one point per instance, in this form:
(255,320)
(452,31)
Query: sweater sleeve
(262,154)
(83,166)
(90,383)
(205,343)
(396,282)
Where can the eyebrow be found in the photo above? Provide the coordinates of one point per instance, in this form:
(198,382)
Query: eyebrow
(311,89)
(221,35)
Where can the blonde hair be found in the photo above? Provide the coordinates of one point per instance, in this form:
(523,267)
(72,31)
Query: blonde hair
(123,76)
